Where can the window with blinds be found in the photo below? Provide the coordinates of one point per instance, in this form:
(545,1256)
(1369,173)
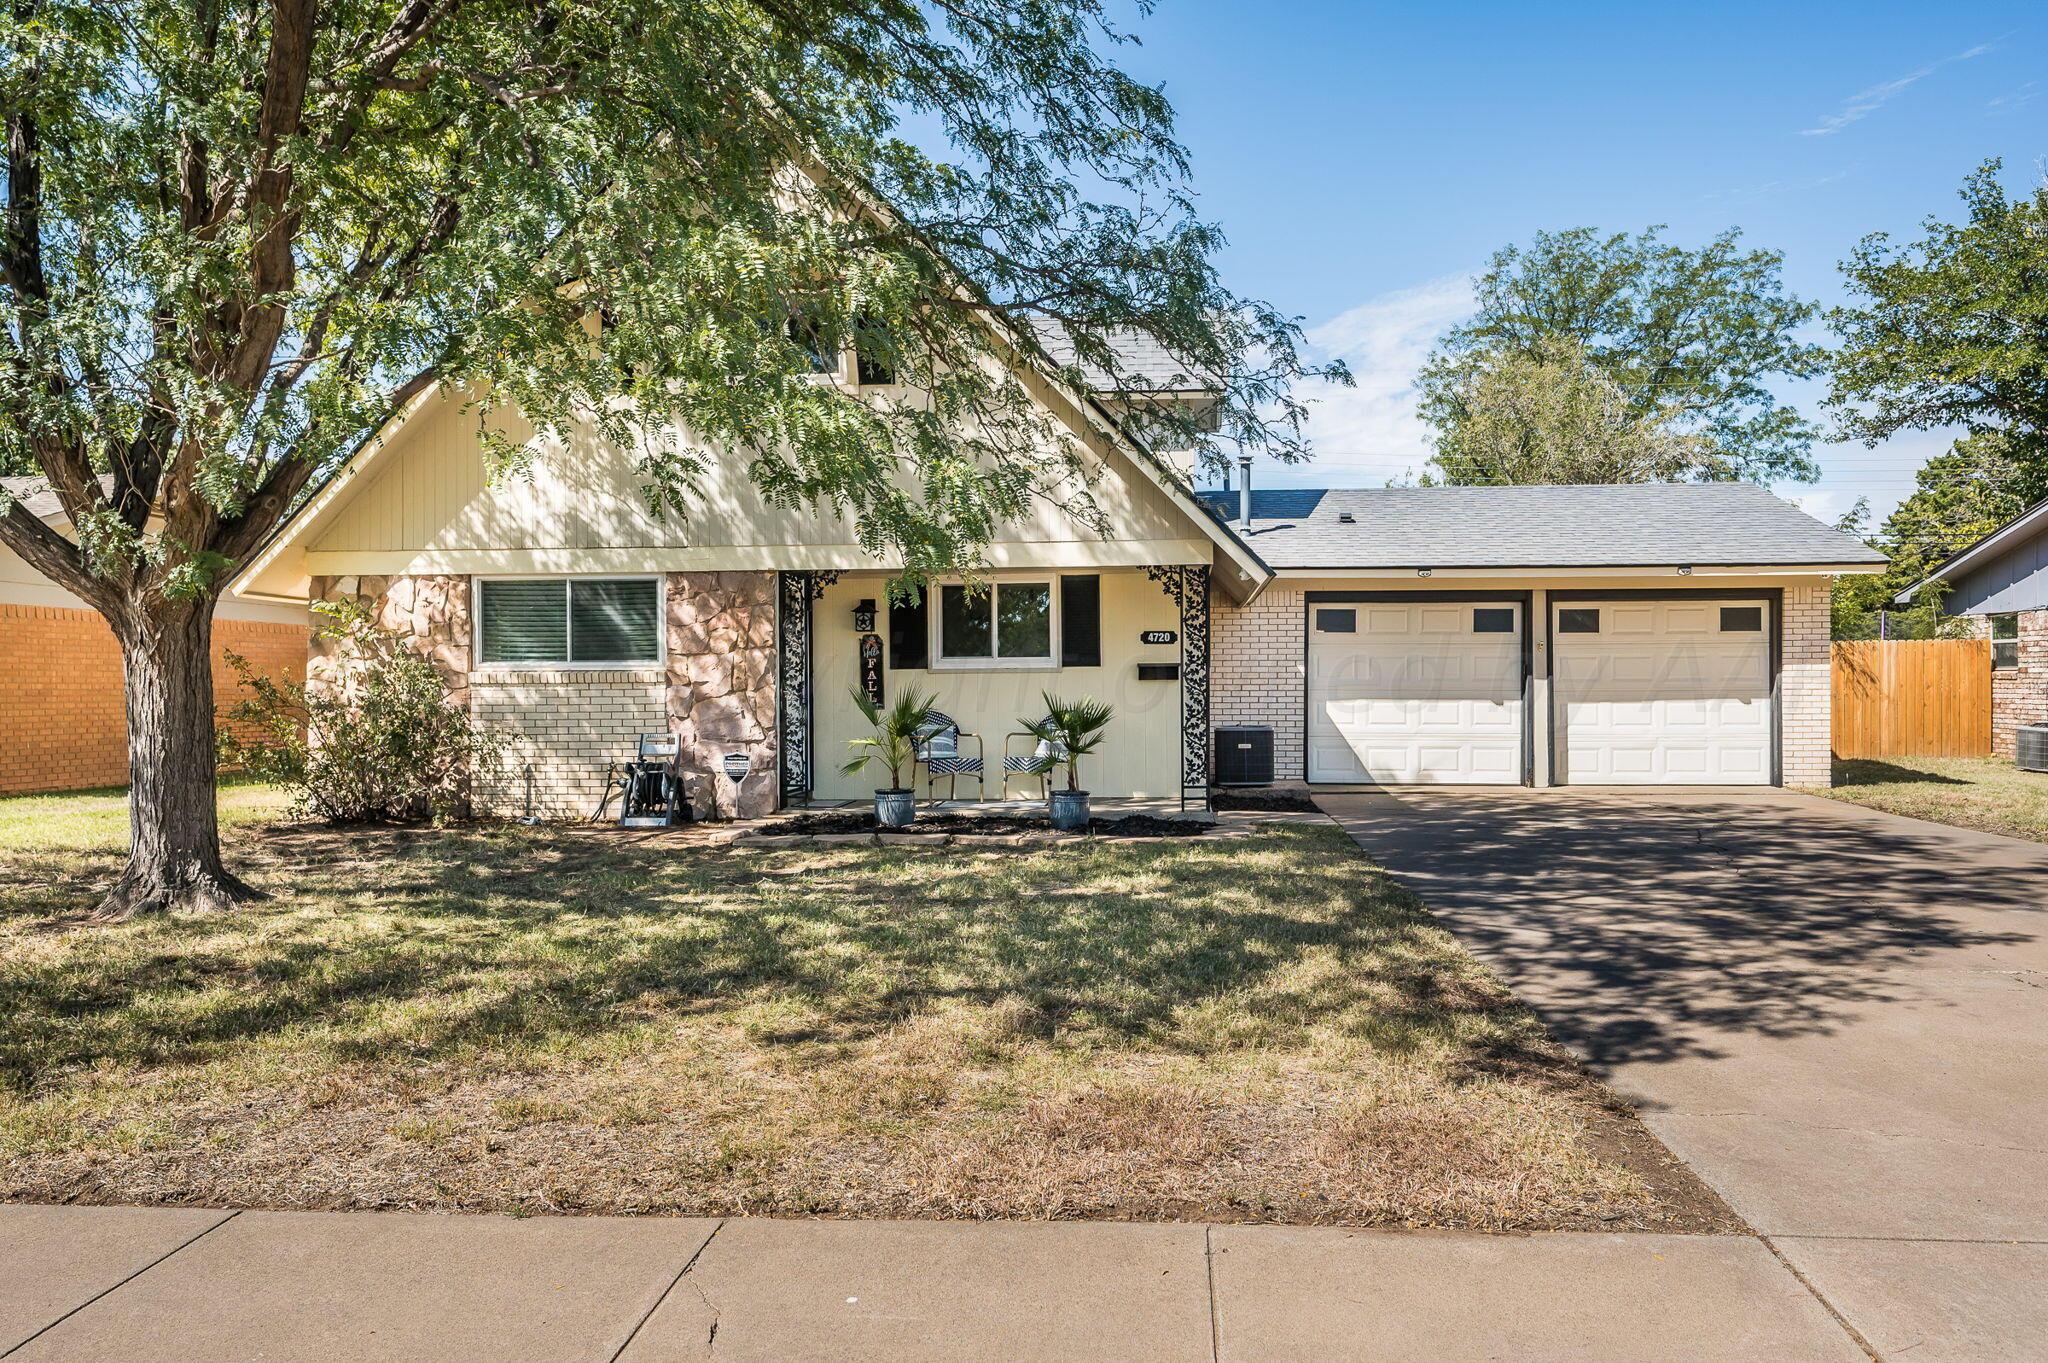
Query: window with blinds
(569,620)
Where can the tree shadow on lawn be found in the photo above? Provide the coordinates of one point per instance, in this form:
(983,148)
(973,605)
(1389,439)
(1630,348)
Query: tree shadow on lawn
(465,943)
(1646,929)
(1865,771)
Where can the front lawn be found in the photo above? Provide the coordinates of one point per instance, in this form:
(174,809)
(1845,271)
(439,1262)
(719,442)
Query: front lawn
(539,1020)
(1971,792)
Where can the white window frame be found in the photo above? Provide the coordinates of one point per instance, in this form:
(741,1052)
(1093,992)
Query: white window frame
(476,616)
(1991,620)
(940,662)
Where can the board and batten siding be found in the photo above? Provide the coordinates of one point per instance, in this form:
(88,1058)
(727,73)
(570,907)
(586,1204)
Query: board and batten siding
(426,505)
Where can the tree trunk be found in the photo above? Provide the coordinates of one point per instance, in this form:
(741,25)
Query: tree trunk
(174,861)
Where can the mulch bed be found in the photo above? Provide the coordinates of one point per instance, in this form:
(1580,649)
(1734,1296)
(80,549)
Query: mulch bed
(839,823)
(1263,801)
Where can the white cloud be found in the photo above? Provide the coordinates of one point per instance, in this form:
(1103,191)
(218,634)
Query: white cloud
(1866,102)
(1370,433)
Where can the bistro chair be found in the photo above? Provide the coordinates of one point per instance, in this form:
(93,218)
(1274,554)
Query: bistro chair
(1026,754)
(939,749)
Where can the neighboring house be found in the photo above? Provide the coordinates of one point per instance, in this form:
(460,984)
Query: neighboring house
(63,718)
(1509,635)
(2001,584)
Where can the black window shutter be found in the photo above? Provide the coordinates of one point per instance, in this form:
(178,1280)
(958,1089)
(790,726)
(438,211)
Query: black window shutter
(909,636)
(1080,622)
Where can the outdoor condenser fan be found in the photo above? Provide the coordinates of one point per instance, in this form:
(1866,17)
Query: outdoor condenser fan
(650,787)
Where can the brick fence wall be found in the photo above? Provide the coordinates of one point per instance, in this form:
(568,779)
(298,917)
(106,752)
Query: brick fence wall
(63,722)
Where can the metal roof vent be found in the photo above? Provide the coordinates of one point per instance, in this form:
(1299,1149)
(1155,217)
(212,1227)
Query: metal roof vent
(1346,518)
(2030,744)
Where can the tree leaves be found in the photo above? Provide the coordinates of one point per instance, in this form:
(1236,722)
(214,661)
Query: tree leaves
(241,234)
(1688,340)
(1952,329)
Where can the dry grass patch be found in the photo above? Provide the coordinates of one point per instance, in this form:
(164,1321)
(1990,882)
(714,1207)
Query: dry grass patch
(538,1020)
(1985,793)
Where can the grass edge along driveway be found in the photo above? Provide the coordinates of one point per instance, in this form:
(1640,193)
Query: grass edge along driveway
(558,1019)
(1989,794)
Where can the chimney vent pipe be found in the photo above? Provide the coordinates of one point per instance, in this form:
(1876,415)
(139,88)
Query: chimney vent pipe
(1244,491)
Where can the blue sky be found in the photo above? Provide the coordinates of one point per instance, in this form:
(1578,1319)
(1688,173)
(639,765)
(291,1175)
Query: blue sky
(1365,160)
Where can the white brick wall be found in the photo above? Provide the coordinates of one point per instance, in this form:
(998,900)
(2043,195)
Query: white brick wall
(564,725)
(1255,669)
(1806,687)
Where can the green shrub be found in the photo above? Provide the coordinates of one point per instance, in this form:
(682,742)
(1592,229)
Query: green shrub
(379,742)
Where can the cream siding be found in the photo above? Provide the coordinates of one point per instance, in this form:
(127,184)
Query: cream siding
(425,505)
(1141,756)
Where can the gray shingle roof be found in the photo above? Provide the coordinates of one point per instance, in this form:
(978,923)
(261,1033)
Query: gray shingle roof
(1144,365)
(35,495)
(1635,525)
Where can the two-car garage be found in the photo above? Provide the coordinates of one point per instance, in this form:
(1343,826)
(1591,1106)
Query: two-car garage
(1442,688)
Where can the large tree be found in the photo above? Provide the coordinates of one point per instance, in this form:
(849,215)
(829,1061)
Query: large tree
(240,234)
(1690,340)
(1952,330)
(1552,417)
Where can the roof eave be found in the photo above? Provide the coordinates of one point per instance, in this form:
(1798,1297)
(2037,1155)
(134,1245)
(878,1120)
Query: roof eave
(2015,528)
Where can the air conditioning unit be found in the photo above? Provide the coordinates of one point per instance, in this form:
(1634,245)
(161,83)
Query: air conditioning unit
(2030,745)
(1244,755)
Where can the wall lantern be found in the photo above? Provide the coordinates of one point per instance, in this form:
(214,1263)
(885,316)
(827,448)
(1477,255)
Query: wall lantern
(1685,570)
(864,616)
(1424,572)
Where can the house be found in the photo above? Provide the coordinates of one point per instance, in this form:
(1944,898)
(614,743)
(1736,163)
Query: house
(2000,584)
(1490,635)
(63,721)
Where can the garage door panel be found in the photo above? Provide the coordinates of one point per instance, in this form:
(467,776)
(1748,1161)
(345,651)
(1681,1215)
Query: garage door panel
(1661,694)
(1417,695)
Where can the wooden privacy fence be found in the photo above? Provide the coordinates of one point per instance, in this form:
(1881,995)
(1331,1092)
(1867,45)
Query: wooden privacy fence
(1912,698)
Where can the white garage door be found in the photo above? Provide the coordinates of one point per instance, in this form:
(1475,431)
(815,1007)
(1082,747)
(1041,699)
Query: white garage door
(1663,692)
(1427,692)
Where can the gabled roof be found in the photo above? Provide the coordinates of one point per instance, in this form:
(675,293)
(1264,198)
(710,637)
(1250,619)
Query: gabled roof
(1144,366)
(40,500)
(2015,531)
(1613,526)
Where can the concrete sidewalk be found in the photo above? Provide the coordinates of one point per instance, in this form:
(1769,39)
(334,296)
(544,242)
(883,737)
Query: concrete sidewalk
(122,1285)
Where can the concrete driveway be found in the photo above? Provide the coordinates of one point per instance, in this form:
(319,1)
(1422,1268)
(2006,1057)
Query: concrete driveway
(1838,1018)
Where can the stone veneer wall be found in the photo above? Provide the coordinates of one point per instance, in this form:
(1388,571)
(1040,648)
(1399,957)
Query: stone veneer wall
(721,684)
(564,725)
(2019,695)
(1256,661)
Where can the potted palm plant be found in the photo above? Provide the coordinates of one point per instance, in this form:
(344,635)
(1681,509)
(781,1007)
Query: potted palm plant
(1068,733)
(893,743)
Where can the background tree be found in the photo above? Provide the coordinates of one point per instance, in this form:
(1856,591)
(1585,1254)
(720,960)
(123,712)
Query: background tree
(1551,417)
(240,234)
(1689,339)
(1952,330)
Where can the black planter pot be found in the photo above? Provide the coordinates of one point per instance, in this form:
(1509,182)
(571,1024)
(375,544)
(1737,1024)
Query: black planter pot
(1069,809)
(895,808)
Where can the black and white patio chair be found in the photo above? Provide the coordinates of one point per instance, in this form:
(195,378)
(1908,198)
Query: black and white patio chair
(1026,754)
(940,752)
